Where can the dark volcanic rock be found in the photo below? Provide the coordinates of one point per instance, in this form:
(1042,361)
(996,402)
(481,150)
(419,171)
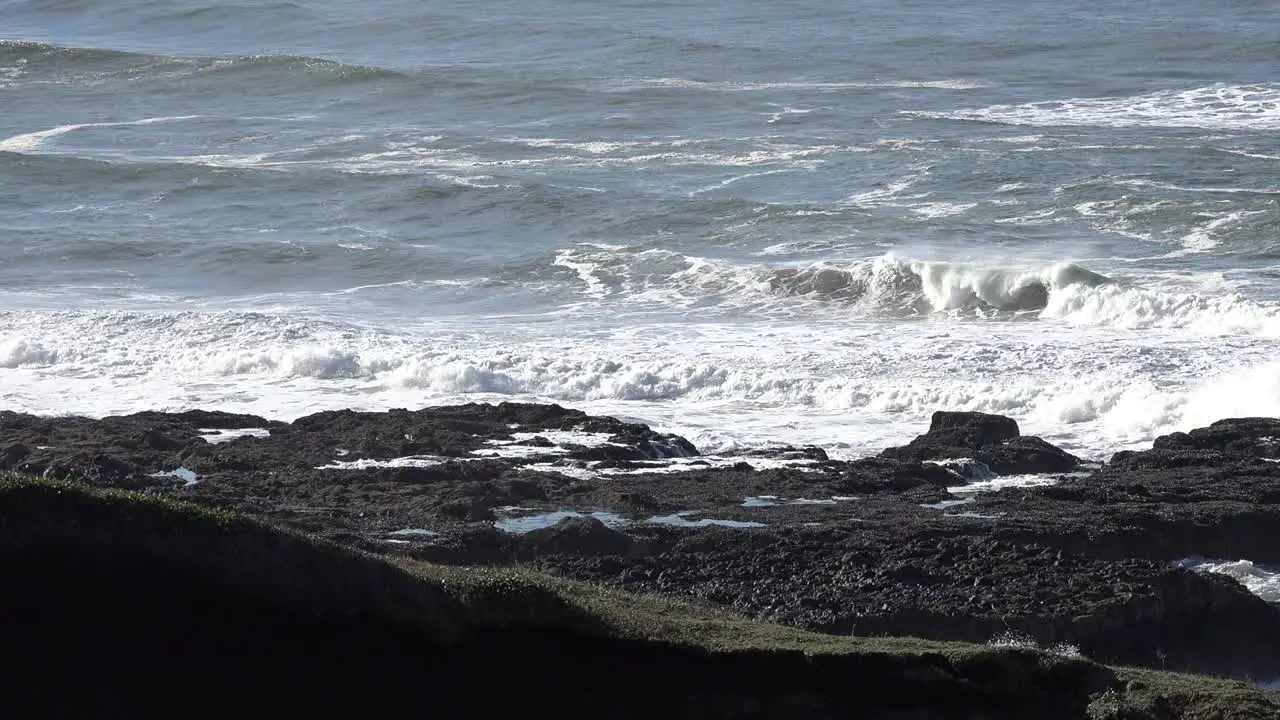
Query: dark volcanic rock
(877,474)
(101,469)
(578,536)
(1027,455)
(1229,461)
(142,610)
(873,546)
(1190,495)
(966,587)
(972,429)
(123,450)
(991,439)
(1238,437)
(467,510)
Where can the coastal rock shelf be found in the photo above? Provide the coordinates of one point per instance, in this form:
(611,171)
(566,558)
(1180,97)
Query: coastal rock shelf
(101,582)
(970,531)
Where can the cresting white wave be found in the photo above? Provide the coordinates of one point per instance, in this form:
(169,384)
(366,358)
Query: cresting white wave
(892,287)
(885,285)
(1215,107)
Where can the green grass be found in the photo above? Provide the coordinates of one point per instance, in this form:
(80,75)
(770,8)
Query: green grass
(650,617)
(1156,694)
(446,603)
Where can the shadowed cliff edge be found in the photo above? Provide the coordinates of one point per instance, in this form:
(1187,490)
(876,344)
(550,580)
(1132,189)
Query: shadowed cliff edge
(117,603)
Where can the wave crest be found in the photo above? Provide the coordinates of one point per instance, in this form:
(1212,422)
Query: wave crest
(884,285)
(948,287)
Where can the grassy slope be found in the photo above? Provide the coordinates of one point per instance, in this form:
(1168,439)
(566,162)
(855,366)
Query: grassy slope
(450,604)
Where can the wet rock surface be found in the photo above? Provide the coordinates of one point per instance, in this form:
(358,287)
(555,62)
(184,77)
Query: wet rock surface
(947,537)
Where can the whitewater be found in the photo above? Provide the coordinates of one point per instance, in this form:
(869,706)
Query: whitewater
(751,226)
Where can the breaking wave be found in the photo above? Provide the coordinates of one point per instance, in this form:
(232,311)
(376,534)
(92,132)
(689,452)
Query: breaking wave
(889,287)
(884,285)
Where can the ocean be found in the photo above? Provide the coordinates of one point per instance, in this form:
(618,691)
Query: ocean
(751,223)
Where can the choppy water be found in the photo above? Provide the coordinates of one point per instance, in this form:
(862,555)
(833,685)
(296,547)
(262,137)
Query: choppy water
(749,222)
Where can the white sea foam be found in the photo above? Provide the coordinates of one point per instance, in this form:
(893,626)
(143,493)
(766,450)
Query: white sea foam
(540,154)
(413,532)
(591,470)
(220,435)
(568,437)
(892,193)
(1135,307)
(1104,367)
(9,74)
(774,501)
(736,179)
(1141,183)
(1214,107)
(942,209)
(35,141)
(367,464)
(1210,235)
(20,353)
(710,462)
(787,112)
(946,504)
(462,166)
(505,449)
(1012,639)
(573,469)
(1002,482)
(1248,154)
(1261,581)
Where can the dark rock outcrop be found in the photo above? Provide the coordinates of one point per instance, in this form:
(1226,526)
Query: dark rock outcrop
(1237,437)
(991,439)
(871,475)
(889,544)
(972,588)
(579,536)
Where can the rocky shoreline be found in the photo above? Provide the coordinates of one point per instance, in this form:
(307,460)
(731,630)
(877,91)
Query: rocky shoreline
(122,604)
(970,532)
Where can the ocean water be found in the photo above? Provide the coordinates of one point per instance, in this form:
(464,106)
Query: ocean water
(751,223)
